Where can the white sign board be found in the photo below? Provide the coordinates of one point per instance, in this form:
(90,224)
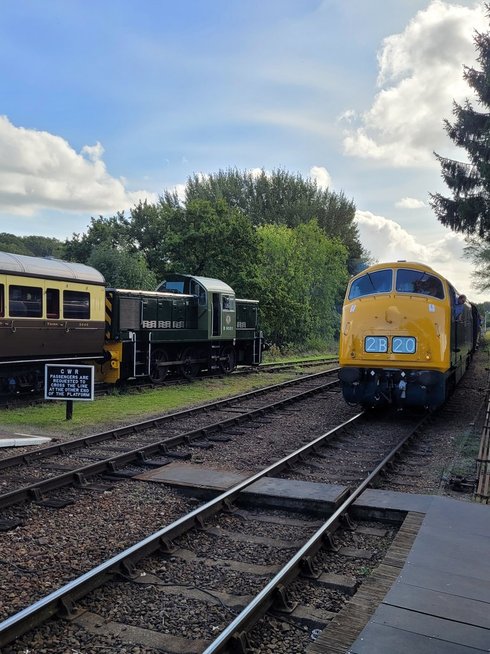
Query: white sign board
(66,382)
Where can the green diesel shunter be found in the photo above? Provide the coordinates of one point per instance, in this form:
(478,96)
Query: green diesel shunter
(189,324)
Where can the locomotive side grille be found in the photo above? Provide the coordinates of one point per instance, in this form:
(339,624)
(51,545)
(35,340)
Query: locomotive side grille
(108,315)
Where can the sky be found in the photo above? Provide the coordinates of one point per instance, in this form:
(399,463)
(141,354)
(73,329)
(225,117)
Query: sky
(103,104)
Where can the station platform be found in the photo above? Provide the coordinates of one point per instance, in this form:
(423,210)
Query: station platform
(440,601)
(433,594)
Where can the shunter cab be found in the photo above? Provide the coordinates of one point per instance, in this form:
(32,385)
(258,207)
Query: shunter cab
(402,341)
(189,324)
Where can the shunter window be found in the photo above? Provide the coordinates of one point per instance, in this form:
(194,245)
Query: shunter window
(416,281)
(370,283)
(52,303)
(228,303)
(197,289)
(76,304)
(173,286)
(25,302)
(2,301)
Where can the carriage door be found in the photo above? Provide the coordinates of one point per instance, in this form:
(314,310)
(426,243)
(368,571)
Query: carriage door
(216,315)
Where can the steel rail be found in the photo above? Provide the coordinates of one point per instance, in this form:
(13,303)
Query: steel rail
(62,600)
(29,398)
(233,638)
(296,362)
(78,476)
(68,446)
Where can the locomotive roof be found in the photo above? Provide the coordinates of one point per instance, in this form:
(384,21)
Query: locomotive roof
(398,264)
(209,283)
(49,268)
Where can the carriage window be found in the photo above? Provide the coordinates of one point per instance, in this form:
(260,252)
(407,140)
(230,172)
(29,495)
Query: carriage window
(76,304)
(228,303)
(416,281)
(2,301)
(25,301)
(370,283)
(52,303)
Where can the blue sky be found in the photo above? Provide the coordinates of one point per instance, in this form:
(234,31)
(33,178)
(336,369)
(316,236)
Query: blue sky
(105,103)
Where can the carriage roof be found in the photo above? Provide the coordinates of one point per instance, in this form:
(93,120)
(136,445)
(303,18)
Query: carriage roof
(19,264)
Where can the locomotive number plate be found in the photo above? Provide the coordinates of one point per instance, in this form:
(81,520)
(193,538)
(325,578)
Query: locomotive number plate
(404,345)
(377,344)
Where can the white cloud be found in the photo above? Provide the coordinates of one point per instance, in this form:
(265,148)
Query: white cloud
(321,176)
(39,170)
(420,73)
(387,241)
(347,116)
(93,152)
(410,203)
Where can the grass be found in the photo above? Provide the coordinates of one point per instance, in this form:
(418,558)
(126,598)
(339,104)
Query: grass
(293,358)
(122,407)
(275,356)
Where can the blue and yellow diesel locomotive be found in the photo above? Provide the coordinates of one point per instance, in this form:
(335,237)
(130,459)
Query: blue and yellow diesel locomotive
(406,338)
(56,311)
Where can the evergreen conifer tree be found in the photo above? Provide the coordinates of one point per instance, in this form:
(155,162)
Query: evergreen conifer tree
(468,210)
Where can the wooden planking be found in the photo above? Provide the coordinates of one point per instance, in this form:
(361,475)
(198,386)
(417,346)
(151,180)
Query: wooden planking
(483,463)
(346,626)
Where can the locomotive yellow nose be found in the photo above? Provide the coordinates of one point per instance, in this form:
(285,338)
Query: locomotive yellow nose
(393,316)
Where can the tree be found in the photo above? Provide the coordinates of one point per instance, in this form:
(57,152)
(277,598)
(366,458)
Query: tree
(478,251)
(282,198)
(148,232)
(122,269)
(201,238)
(301,277)
(103,232)
(33,246)
(210,239)
(468,210)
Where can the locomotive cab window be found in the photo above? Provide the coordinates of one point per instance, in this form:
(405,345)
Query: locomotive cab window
(416,281)
(228,303)
(76,304)
(200,292)
(370,283)
(25,302)
(173,286)
(2,301)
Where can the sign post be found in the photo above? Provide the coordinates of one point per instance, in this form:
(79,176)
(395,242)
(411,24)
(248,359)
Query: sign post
(66,382)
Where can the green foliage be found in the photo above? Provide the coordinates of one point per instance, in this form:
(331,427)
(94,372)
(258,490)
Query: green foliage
(282,198)
(468,210)
(103,232)
(148,232)
(212,240)
(122,269)
(302,275)
(32,246)
(478,251)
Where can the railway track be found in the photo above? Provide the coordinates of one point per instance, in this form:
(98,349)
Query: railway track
(123,566)
(32,397)
(185,585)
(31,475)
